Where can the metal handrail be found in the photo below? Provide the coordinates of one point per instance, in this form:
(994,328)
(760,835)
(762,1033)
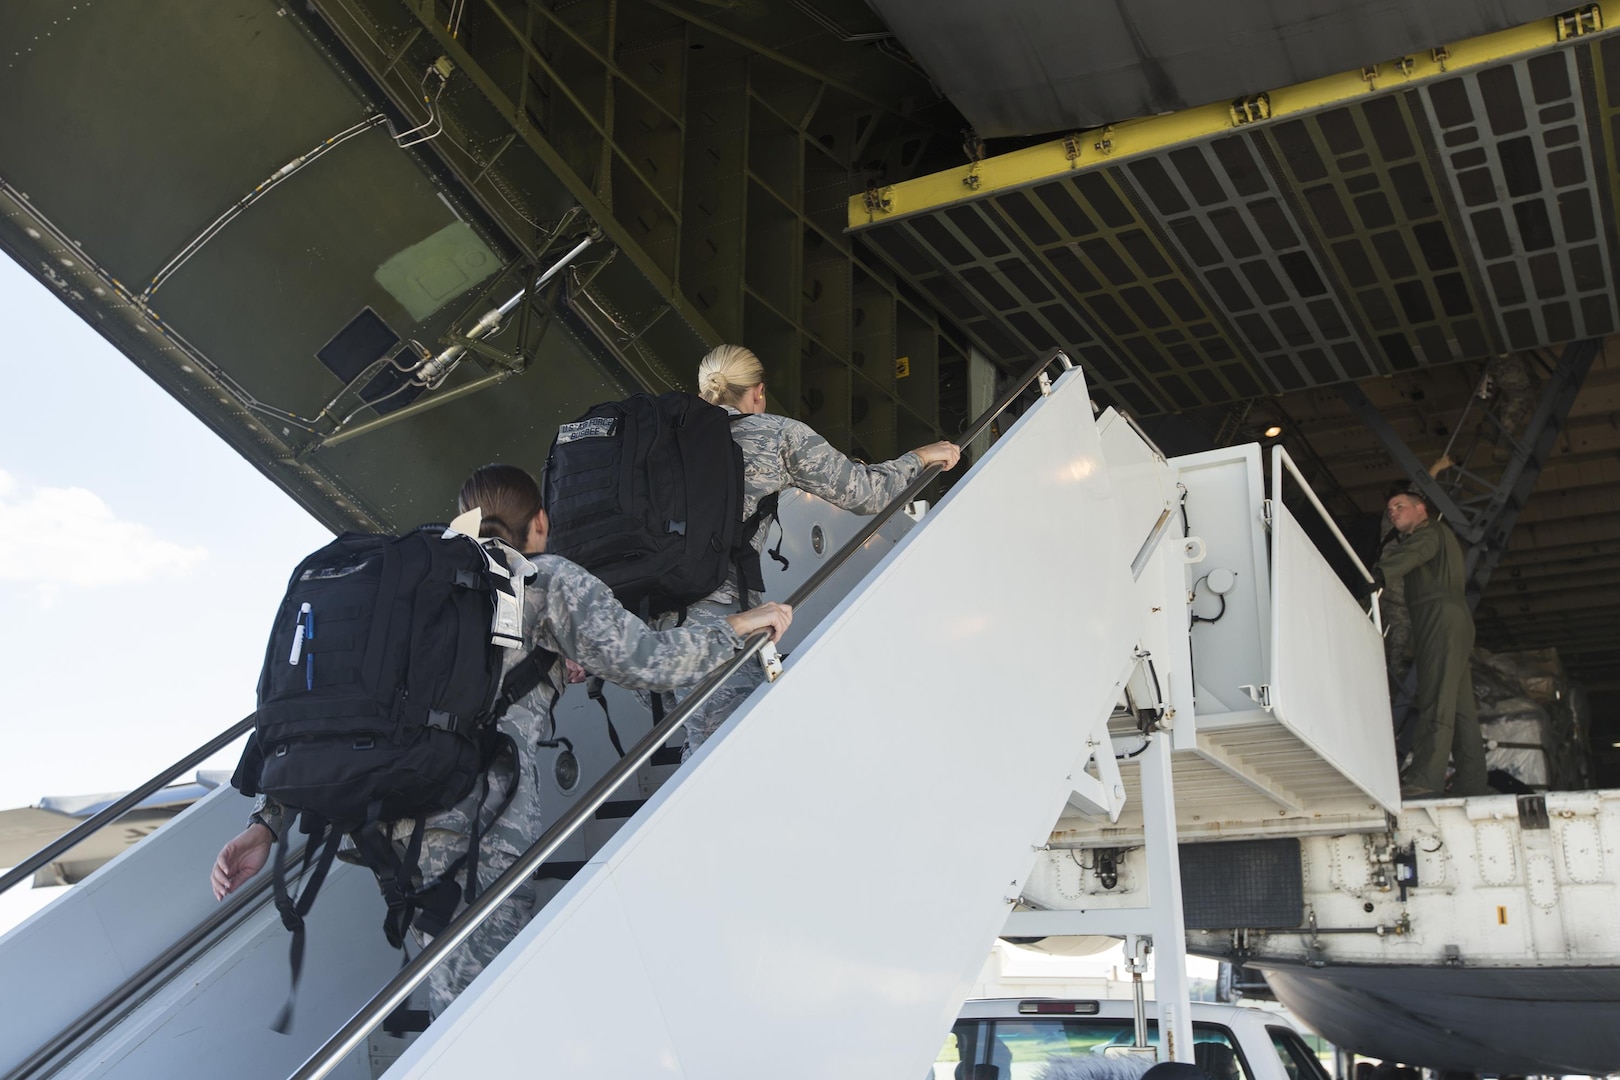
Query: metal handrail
(122,806)
(1279,456)
(111,1008)
(394,993)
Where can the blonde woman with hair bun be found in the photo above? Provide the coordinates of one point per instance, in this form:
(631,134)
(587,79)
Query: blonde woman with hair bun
(727,374)
(779,453)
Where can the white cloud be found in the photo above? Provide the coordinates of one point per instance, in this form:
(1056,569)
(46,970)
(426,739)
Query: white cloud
(55,537)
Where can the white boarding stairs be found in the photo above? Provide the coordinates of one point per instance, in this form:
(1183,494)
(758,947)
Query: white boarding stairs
(788,913)
(816,891)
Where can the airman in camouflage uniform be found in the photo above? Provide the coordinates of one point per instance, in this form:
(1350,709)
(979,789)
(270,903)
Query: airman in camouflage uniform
(571,613)
(779,453)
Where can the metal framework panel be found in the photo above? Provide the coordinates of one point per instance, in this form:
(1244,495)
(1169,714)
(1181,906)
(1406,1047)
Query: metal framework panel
(1447,206)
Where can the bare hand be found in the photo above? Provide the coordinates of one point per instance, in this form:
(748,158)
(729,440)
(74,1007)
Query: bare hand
(941,453)
(576,674)
(768,616)
(1441,464)
(241,858)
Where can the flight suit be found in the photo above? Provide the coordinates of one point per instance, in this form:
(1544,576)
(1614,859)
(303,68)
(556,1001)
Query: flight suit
(1429,562)
(1397,623)
(779,453)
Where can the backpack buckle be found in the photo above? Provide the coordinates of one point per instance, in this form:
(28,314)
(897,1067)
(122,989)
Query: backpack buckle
(676,527)
(442,720)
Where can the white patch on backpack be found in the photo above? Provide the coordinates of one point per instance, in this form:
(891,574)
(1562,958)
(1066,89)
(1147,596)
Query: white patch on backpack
(327,573)
(595,427)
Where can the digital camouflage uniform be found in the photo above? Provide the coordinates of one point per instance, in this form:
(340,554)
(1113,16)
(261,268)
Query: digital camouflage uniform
(1429,563)
(570,612)
(779,453)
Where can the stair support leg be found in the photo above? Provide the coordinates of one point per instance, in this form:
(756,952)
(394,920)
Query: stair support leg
(1165,916)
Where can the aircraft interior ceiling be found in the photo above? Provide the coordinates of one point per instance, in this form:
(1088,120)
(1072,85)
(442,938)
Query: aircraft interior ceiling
(1044,67)
(1335,199)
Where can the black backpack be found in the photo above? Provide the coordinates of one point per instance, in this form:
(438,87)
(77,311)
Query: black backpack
(647,494)
(378,701)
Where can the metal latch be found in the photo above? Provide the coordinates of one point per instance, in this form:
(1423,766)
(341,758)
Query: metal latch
(1533,812)
(1267,514)
(1246,110)
(879,200)
(1581,20)
(1260,695)
(771,661)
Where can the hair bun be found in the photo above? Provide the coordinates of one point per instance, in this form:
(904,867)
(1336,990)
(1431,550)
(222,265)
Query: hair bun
(726,373)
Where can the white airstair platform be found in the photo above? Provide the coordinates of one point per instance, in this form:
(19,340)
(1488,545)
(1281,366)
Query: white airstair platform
(1292,731)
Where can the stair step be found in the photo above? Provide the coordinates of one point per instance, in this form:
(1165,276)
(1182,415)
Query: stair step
(406,1020)
(621,808)
(561,870)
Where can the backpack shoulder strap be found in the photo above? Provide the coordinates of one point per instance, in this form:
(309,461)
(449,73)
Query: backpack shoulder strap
(527,674)
(749,575)
(593,690)
(293,912)
(764,511)
(395,874)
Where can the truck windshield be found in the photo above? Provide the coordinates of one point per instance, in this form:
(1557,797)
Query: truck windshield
(1072,1048)
(1297,1058)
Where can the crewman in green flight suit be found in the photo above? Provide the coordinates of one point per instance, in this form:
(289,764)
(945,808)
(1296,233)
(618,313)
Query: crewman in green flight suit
(1430,562)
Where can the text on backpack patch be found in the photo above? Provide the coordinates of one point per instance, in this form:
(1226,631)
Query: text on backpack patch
(595,427)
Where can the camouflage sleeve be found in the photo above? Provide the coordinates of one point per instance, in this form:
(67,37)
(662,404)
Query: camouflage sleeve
(588,625)
(272,813)
(816,467)
(1417,548)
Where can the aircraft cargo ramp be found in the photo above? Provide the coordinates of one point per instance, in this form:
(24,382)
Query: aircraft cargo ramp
(840,859)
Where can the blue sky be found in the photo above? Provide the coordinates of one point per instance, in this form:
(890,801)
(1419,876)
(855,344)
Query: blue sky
(141,561)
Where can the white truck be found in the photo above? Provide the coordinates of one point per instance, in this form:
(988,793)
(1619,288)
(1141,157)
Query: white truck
(1066,1039)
